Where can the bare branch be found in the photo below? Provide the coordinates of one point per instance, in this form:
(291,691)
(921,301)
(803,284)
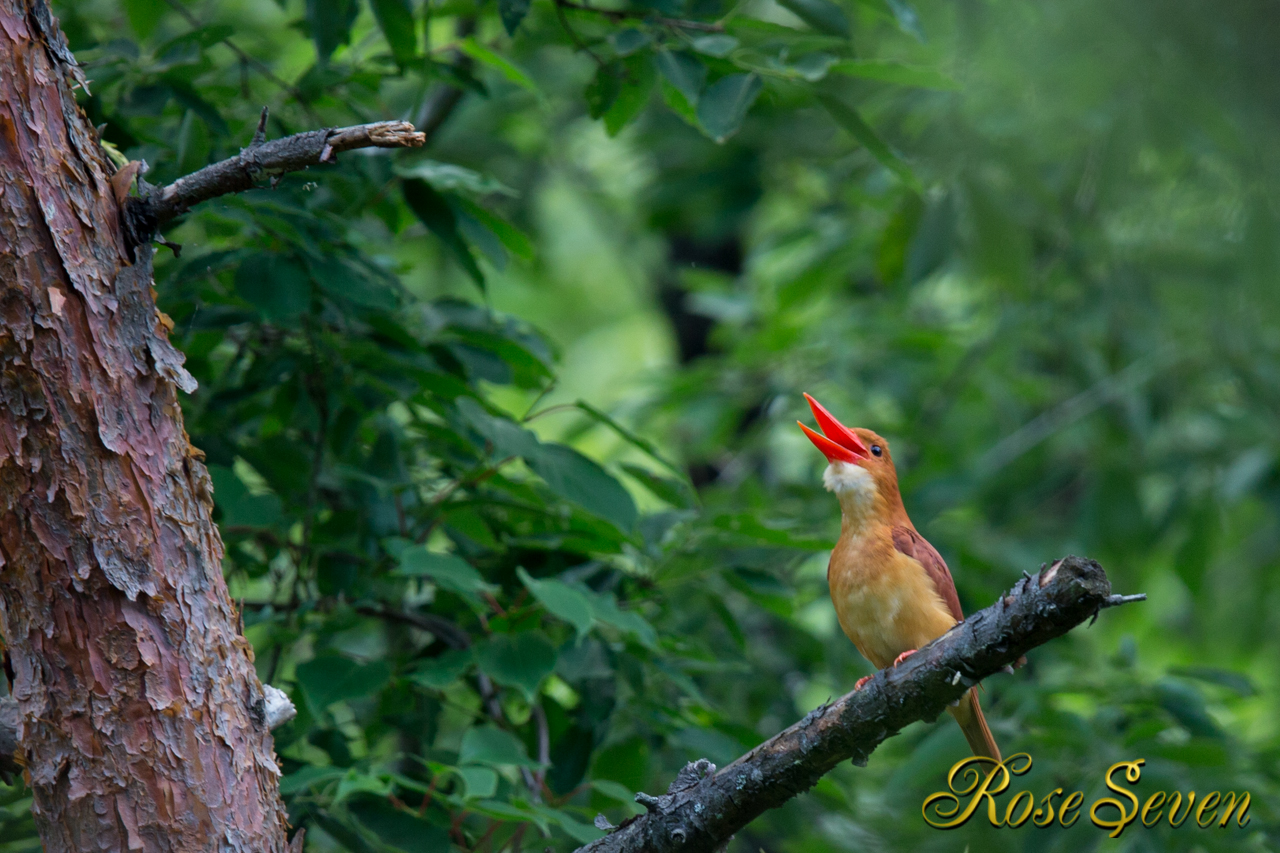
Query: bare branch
(253,165)
(703,809)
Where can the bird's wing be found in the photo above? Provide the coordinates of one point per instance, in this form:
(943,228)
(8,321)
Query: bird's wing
(911,543)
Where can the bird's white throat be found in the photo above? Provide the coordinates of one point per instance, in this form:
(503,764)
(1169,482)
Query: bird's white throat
(849,481)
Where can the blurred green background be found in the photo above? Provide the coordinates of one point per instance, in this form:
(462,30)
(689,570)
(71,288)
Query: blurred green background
(503,432)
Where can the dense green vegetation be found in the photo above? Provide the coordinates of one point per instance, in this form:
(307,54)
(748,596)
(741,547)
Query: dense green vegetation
(502,432)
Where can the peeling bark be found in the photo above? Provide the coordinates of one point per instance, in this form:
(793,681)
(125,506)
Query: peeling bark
(142,719)
(703,809)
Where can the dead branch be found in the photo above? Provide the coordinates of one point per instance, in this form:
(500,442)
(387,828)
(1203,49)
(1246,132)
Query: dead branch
(260,161)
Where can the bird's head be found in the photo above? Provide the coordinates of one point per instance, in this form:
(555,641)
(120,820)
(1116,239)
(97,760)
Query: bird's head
(860,470)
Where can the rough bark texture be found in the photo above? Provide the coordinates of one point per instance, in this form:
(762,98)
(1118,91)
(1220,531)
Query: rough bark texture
(703,809)
(142,719)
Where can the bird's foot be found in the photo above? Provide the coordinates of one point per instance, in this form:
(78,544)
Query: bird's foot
(857,685)
(900,658)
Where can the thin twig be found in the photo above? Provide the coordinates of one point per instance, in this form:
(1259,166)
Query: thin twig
(439,627)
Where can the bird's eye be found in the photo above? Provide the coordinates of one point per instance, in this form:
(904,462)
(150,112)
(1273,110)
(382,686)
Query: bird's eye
(876,450)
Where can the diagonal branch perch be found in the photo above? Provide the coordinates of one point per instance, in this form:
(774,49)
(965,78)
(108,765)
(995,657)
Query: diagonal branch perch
(703,809)
(259,162)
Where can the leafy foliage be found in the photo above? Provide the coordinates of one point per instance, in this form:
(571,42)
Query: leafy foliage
(1034,250)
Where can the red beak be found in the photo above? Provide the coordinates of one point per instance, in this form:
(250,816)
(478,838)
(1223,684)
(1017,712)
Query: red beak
(839,443)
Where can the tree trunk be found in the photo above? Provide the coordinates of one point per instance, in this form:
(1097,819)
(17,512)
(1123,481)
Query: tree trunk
(143,724)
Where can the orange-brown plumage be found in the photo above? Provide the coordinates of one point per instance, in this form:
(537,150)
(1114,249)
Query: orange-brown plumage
(891,589)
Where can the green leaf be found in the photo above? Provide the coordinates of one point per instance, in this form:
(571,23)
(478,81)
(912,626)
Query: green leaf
(513,239)
(679,104)
(395,19)
(308,777)
(583,833)
(239,507)
(400,829)
(277,286)
(908,20)
(447,570)
(895,72)
(482,54)
(512,13)
(1234,681)
(724,105)
(614,790)
(637,84)
(603,89)
(507,438)
(749,525)
(579,479)
(448,177)
(439,672)
(517,660)
(605,608)
(848,118)
(674,492)
(718,45)
(494,746)
(144,15)
(330,22)
(683,71)
(627,435)
(333,678)
(561,600)
(434,211)
(628,41)
(480,782)
(1185,704)
(823,15)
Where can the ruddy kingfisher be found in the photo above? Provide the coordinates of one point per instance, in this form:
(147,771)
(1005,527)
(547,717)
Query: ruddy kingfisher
(892,590)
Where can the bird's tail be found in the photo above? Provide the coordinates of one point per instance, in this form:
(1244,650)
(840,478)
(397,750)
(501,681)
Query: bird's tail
(969,715)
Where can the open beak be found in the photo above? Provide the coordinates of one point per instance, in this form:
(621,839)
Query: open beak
(838,443)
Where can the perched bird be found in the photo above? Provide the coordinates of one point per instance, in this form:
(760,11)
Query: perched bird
(892,591)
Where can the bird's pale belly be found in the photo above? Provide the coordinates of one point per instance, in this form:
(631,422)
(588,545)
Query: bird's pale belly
(889,612)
